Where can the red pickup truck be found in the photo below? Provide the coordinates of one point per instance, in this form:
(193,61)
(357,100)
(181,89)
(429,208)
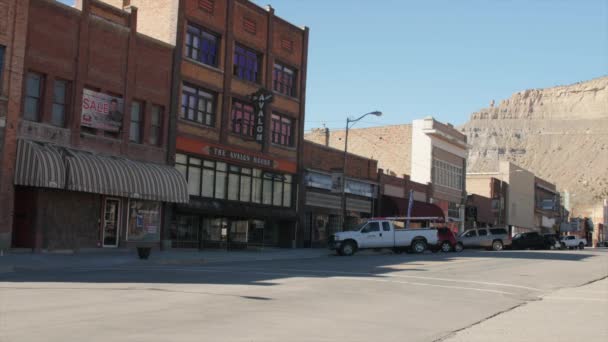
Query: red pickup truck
(447,241)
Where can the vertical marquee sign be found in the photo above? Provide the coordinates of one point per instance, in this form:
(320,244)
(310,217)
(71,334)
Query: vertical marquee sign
(260,98)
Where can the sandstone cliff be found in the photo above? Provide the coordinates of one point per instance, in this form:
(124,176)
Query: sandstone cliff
(559,133)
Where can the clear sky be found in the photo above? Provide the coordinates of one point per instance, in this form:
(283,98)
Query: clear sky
(446,58)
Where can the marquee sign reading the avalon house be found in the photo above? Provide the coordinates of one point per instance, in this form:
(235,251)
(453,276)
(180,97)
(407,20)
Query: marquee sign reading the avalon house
(260,98)
(251,159)
(239,156)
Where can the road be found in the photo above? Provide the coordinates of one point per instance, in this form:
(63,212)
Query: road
(469,296)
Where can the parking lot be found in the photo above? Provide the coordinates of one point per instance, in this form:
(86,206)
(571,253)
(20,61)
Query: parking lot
(468,296)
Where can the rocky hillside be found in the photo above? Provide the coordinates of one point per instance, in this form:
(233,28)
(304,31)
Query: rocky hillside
(559,133)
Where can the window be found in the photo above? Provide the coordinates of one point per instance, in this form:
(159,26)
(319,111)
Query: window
(156,125)
(448,175)
(243,118)
(284,80)
(453,210)
(202,46)
(136,122)
(372,227)
(2,50)
(282,130)
(482,232)
(386,226)
(219,180)
(246,64)
(470,233)
(198,105)
(60,95)
(33,96)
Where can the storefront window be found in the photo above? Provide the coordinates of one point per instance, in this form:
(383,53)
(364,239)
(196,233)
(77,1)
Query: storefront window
(245,194)
(222,181)
(144,221)
(233,183)
(185,232)
(256,187)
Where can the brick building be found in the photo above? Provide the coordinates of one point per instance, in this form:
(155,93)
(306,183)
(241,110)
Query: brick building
(323,193)
(238,96)
(77,170)
(429,151)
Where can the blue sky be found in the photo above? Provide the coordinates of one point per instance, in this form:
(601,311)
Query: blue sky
(443,58)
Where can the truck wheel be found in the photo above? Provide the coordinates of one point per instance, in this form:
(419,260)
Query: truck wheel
(348,248)
(581,246)
(418,246)
(497,245)
(459,247)
(446,247)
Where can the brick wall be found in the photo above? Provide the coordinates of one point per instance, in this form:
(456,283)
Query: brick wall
(319,157)
(390,145)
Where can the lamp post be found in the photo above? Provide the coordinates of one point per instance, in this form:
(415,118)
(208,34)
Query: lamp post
(349,123)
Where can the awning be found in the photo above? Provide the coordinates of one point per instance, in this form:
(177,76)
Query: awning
(392,206)
(117,176)
(39,165)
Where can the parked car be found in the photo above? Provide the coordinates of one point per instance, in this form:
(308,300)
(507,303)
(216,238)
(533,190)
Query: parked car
(572,241)
(530,240)
(447,241)
(491,238)
(383,233)
(603,243)
(552,241)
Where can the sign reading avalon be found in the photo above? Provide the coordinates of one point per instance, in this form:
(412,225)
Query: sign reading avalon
(260,98)
(101,111)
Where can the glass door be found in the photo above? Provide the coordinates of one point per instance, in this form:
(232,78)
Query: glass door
(111,222)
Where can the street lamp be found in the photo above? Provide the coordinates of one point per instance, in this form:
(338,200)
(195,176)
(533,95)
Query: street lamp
(349,123)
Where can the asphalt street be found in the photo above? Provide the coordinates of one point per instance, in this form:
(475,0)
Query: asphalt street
(469,296)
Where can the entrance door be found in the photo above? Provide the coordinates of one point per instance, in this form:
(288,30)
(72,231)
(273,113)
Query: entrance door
(111,222)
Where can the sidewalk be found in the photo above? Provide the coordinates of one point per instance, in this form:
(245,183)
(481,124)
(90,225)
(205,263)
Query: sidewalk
(121,257)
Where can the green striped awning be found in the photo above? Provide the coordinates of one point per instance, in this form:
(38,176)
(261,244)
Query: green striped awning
(39,165)
(117,176)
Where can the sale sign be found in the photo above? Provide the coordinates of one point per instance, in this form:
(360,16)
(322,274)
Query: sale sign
(101,111)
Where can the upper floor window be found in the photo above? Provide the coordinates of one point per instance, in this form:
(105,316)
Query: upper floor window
(243,118)
(135,129)
(448,175)
(202,46)
(198,105)
(60,97)
(156,125)
(33,96)
(2,50)
(284,80)
(282,130)
(246,64)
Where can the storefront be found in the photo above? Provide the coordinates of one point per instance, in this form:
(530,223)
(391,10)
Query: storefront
(72,199)
(323,206)
(238,199)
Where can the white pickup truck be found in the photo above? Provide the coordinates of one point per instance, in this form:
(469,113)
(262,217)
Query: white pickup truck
(572,241)
(383,233)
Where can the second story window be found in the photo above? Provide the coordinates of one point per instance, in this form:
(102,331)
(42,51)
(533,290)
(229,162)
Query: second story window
(60,96)
(136,122)
(243,118)
(198,105)
(33,96)
(282,130)
(246,64)
(156,124)
(284,80)
(202,46)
